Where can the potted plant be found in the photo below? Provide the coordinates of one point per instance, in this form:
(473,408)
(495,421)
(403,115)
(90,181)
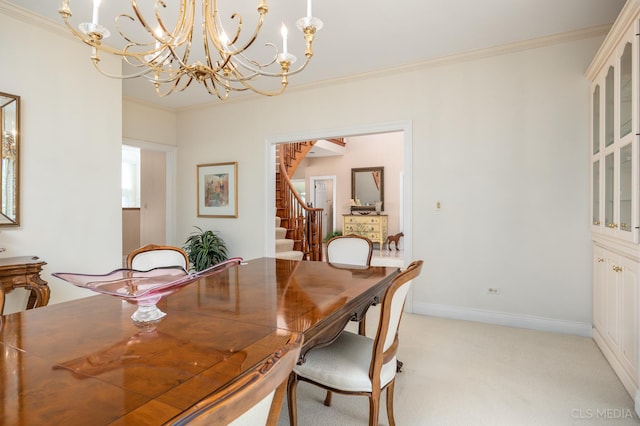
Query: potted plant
(331,235)
(205,249)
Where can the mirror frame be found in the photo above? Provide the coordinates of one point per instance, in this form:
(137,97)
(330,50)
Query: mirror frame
(6,219)
(355,171)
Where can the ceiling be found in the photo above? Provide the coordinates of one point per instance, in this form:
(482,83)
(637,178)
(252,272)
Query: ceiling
(361,36)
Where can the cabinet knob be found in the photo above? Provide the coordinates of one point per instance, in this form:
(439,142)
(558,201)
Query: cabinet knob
(617,268)
(596,222)
(600,260)
(612,225)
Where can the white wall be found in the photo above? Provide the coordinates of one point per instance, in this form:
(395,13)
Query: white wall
(70,153)
(501,141)
(143,122)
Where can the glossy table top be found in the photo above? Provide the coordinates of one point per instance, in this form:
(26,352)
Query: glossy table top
(85,360)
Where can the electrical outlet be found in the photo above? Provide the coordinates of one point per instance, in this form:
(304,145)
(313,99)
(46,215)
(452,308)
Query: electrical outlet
(493,291)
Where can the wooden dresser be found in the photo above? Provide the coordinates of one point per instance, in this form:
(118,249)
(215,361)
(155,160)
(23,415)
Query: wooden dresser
(372,226)
(23,272)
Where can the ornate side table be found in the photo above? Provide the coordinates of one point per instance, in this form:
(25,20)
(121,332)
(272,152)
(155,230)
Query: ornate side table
(23,272)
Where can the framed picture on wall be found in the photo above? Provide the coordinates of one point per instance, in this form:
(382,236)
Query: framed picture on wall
(218,190)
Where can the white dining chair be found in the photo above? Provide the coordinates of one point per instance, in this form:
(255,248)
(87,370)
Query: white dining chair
(351,250)
(156,256)
(358,365)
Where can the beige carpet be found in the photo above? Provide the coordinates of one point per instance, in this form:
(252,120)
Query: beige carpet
(459,373)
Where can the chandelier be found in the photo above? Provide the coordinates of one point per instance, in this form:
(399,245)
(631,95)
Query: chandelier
(160,52)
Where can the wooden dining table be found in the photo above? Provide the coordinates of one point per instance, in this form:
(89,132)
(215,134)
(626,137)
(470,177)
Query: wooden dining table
(86,362)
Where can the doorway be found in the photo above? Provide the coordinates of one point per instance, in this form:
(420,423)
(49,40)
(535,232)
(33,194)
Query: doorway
(323,190)
(154,217)
(404,185)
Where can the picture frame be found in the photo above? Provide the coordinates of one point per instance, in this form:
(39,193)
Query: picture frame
(218,190)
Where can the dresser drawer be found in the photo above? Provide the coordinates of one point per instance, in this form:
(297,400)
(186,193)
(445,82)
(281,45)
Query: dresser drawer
(363,219)
(361,228)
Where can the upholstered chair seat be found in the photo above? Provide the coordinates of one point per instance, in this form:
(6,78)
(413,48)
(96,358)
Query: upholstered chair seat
(350,358)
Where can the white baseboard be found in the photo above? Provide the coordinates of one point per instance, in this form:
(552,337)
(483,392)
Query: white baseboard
(503,318)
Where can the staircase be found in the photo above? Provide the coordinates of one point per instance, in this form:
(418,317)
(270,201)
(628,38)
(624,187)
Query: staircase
(298,227)
(284,246)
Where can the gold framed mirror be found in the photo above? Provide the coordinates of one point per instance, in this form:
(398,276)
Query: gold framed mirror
(9,166)
(367,188)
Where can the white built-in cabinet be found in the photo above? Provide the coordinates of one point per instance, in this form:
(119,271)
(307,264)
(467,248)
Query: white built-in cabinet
(615,195)
(615,306)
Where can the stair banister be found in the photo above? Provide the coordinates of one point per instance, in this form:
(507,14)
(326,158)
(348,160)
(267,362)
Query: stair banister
(307,221)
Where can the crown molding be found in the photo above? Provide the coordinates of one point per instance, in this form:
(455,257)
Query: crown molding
(32,18)
(554,39)
(622,24)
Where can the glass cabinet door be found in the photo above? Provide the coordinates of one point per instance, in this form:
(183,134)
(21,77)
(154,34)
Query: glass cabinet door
(596,120)
(626,177)
(608,108)
(595,196)
(609,220)
(626,90)
(615,143)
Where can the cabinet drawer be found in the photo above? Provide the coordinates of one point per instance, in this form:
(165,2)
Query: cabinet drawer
(362,228)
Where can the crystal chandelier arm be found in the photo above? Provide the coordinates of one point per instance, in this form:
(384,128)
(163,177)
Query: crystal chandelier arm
(96,63)
(143,21)
(260,72)
(209,84)
(96,59)
(213,28)
(183,29)
(175,38)
(173,87)
(236,37)
(237,82)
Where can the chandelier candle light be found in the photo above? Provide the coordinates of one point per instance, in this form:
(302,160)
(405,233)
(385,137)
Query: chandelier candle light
(161,54)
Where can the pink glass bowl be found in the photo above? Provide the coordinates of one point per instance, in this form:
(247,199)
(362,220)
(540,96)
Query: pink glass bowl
(143,288)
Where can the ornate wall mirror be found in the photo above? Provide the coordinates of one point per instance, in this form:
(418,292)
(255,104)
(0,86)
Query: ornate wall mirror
(367,188)
(9,177)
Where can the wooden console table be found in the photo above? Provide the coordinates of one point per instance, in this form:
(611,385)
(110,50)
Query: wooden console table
(373,227)
(23,272)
